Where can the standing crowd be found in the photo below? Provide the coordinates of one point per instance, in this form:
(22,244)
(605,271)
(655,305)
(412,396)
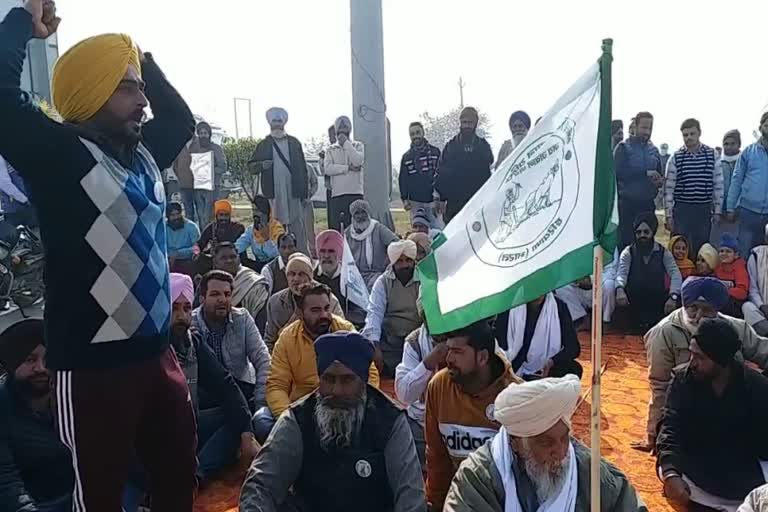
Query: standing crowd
(187,340)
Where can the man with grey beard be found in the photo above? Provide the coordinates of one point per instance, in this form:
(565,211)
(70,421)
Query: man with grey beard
(533,464)
(667,343)
(345,447)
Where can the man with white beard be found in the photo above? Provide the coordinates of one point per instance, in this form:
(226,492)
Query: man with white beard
(533,464)
(345,447)
(368,240)
(667,343)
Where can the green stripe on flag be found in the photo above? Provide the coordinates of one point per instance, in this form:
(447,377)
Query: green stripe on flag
(606,230)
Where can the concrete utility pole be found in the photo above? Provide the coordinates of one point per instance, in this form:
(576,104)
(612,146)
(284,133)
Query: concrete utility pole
(461,92)
(369,107)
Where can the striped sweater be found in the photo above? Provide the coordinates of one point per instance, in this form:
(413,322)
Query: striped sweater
(694,177)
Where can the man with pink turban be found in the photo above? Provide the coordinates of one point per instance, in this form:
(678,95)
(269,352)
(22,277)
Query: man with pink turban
(100,200)
(330,251)
(224,429)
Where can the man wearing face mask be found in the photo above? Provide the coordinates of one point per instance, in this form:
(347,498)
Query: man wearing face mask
(640,280)
(639,175)
(667,343)
(392,312)
(519,124)
(417,175)
(343,163)
(464,167)
(279,158)
(368,240)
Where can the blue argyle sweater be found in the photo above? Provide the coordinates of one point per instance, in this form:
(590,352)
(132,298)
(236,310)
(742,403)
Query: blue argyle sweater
(102,218)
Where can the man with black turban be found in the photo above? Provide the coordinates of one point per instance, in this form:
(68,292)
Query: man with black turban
(346,444)
(712,445)
(640,281)
(95,182)
(465,165)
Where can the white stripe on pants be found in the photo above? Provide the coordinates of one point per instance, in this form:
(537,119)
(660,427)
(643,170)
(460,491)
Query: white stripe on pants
(66,424)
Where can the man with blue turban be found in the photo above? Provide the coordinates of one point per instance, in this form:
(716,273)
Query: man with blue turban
(95,182)
(345,444)
(668,343)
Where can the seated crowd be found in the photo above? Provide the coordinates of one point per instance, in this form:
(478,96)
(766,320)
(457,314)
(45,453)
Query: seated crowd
(266,337)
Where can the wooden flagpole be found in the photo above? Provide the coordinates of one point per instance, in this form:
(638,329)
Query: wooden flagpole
(597,343)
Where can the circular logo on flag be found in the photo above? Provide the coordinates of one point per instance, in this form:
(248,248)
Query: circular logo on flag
(534,202)
(363,468)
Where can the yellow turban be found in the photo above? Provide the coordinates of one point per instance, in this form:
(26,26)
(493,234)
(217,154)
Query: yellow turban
(222,206)
(88,73)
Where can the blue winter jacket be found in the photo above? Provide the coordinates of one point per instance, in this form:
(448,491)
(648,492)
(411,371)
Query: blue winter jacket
(749,184)
(633,159)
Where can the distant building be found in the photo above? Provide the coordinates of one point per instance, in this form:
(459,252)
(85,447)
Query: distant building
(41,56)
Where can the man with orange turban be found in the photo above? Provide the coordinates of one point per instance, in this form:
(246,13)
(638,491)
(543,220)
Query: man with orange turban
(95,182)
(222,229)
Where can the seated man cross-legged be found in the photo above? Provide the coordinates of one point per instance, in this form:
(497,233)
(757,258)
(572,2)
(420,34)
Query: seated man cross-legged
(668,343)
(345,447)
(756,308)
(532,463)
(641,277)
(540,339)
(712,446)
(281,308)
(392,311)
(249,287)
(232,336)
(330,250)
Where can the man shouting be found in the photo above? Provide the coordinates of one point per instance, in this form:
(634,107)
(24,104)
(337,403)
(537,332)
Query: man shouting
(101,204)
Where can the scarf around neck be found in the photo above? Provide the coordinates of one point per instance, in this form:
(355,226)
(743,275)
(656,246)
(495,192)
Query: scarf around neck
(366,237)
(546,341)
(504,457)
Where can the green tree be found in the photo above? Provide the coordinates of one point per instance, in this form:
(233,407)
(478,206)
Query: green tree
(239,152)
(441,128)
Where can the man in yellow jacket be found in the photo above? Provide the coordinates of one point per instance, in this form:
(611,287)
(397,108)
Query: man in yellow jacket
(293,371)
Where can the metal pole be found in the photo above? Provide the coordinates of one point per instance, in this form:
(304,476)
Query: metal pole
(250,119)
(237,131)
(597,342)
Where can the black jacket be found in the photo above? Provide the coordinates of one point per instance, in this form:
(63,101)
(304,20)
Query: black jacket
(76,184)
(418,169)
(34,464)
(462,170)
(717,442)
(211,385)
(299,178)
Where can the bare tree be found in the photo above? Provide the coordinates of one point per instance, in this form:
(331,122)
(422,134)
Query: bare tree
(441,128)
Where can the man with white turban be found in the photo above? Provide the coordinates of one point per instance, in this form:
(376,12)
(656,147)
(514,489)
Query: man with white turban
(368,240)
(533,464)
(392,313)
(100,201)
(343,163)
(279,158)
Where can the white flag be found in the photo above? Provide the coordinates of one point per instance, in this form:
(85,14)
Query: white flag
(533,225)
(352,283)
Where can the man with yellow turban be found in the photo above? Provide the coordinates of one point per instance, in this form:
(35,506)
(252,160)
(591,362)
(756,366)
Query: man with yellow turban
(532,463)
(101,204)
